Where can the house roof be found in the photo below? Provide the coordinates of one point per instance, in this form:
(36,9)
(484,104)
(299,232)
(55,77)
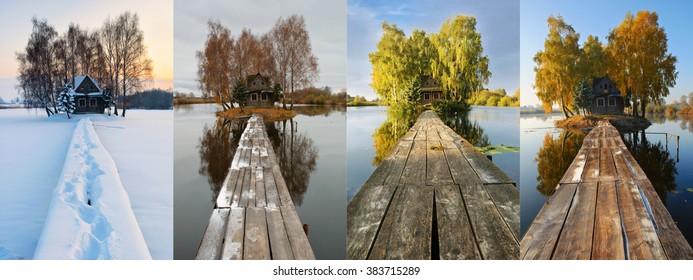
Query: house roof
(429,84)
(81,79)
(258,82)
(611,88)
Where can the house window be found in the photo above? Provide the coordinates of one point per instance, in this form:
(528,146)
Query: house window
(612,102)
(82,103)
(600,102)
(264,96)
(425,96)
(253,97)
(92,102)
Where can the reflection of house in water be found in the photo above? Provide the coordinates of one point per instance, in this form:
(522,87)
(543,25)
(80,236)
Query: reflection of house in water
(89,97)
(260,93)
(430,91)
(605,98)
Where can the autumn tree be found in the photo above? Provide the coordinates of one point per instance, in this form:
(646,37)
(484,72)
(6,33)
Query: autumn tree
(37,67)
(557,69)
(593,58)
(389,77)
(214,65)
(295,65)
(640,63)
(460,68)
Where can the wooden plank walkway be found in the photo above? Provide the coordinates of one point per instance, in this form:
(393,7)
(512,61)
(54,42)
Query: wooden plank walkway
(604,208)
(254,217)
(434,197)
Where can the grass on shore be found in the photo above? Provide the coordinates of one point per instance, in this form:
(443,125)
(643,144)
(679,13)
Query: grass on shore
(621,122)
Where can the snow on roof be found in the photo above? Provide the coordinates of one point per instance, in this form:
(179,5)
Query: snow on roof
(80,79)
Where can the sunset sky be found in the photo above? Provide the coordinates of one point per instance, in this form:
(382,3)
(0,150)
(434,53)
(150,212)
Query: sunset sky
(156,21)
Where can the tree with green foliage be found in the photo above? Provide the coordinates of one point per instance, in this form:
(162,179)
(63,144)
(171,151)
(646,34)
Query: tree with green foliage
(389,78)
(640,62)
(557,69)
(460,67)
(581,97)
(453,57)
(239,94)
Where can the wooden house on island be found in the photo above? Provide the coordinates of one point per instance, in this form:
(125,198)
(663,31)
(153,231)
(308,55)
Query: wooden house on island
(259,91)
(605,98)
(430,91)
(88,96)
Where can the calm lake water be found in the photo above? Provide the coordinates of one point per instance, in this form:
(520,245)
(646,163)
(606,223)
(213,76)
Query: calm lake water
(547,152)
(311,154)
(372,131)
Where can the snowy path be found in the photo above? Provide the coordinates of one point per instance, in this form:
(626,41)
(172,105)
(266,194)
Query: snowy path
(142,147)
(90,216)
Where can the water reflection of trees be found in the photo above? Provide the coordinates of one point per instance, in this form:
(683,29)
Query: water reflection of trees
(399,121)
(470,130)
(554,158)
(655,160)
(217,147)
(297,156)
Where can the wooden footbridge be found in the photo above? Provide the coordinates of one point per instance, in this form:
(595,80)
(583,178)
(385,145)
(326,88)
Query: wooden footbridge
(434,197)
(604,208)
(254,216)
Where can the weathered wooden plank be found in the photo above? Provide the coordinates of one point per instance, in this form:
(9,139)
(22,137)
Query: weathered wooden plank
(406,230)
(282,189)
(506,197)
(462,173)
(233,238)
(225,197)
(415,168)
(247,189)
(455,234)
(641,237)
(575,242)
(637,173)
(495,239)
(642,240)
(674,243)
(278,239)
(574,173)
(270,188)
(607,169)
(238,188)
(390,169)
(260,195)
(297,237)
(365,213)
(591,171)
(487,170)
(541,237)
(212,239)
(256,240)
(608,243)
(437,169)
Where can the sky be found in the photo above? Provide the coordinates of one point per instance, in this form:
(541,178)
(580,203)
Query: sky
(156,22)
(599,18)
(325,21)
(497,22)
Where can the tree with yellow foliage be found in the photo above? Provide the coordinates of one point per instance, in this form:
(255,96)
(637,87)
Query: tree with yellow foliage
(557,66)
(640,63)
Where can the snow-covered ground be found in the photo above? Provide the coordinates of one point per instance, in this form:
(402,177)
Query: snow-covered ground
(33,151)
